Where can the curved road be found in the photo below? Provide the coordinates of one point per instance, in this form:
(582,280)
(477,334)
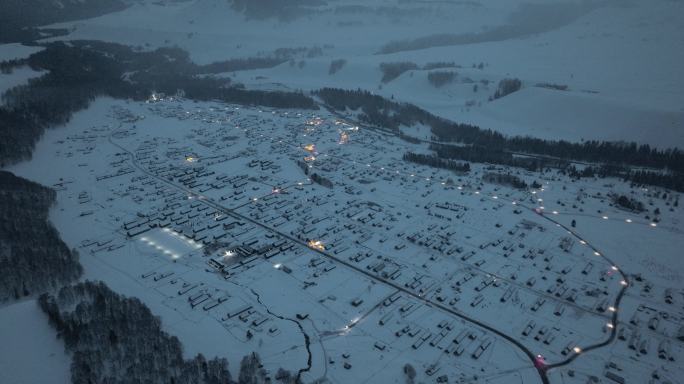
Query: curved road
(618,298)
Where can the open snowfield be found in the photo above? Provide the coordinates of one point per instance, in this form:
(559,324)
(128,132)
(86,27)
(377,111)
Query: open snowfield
(16,51)
(31,352)
(19,76)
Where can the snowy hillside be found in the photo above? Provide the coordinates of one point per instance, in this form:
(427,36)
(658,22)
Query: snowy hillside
(617,59)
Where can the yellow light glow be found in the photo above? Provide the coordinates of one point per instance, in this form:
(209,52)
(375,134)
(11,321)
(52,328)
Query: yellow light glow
(317,244)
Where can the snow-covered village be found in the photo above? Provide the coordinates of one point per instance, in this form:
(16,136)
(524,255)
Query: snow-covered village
(208,191)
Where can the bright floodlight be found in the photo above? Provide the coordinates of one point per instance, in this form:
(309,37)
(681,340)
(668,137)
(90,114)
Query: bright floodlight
(316,244)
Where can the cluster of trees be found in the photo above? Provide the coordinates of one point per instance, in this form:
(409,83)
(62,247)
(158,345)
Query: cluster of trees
(628,203)
(480,154)
(617,153)
(506,87)
(116,339)
(336,65)
(557,87)
(667,179)
(292,53)
(671,180)
(19,18)
(33,258)
(7,66)
(81,71)
(321,180)
(441,78)
(504,179)
(391,71)
(315,177)
(437,162)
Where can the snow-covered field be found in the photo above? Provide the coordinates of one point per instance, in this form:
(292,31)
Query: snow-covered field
(30,352)
(16,51)
(19,76)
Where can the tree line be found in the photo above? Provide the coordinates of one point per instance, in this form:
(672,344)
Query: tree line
(481,154)
(506,87)
(116,339)
(485,145)
(33,258)
(671,180)
(436,162)
(441,78)
(629,203)
(505,179)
